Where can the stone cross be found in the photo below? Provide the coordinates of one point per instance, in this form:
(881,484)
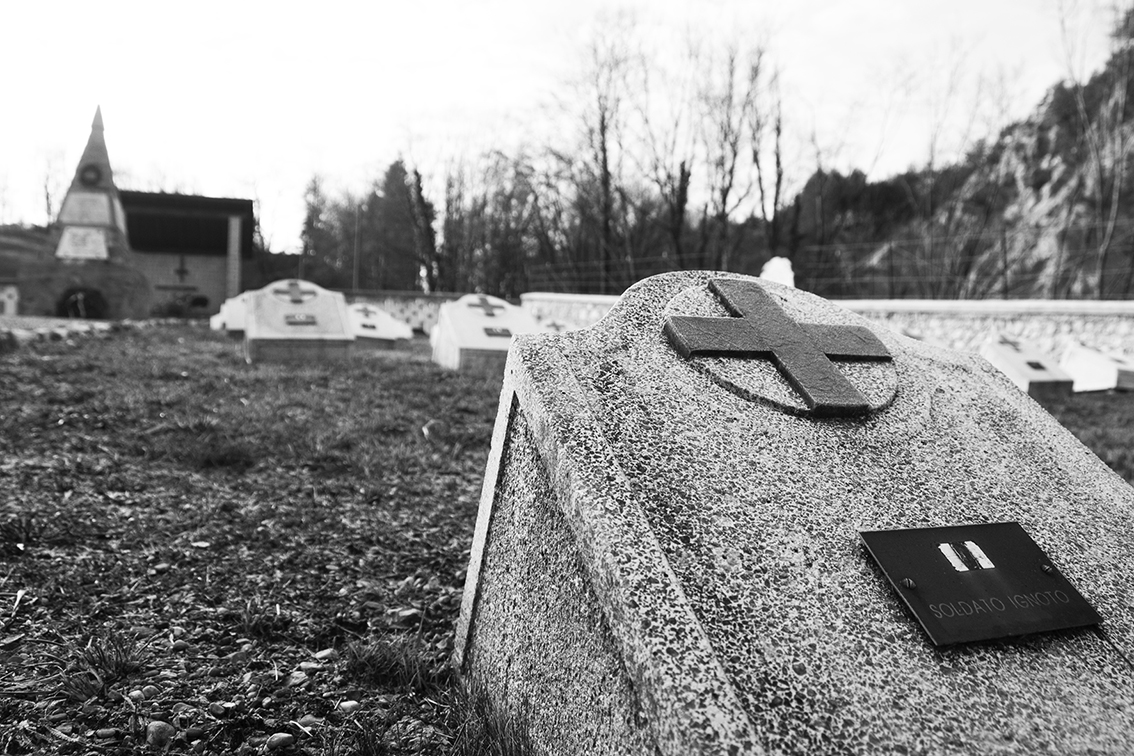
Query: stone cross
(801,351)
(487,306)
(296,294)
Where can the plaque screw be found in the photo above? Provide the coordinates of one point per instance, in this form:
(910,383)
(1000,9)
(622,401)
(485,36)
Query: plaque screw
(908,583)
(1048,569)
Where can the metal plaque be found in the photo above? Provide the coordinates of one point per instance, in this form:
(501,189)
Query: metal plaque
(977,582)
(299,319)
(497,332)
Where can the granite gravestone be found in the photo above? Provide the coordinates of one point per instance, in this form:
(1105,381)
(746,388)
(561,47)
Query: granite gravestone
(1026,366)
(1092,370)
(374,328)
(296,321)
(474,333)
(678,546)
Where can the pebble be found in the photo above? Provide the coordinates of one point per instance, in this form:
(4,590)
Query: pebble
(349,707)
(297,678)
(310,666)
(194,733)
(136,695)
(108,733)
(217,709)
(158,733)
(280,740)
(325,654)
(151,691)
(180,645)
(309,720)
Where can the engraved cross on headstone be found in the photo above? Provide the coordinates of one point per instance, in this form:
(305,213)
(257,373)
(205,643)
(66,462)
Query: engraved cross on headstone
(296,294)
(1010,342)
(487,306)
(367,311)
(182,271)
(801,351)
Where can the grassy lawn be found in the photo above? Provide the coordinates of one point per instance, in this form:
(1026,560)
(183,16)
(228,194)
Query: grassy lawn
(239,552)
(200,556)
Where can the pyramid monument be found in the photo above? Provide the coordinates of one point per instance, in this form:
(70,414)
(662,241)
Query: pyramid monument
(92,220)
(92,273)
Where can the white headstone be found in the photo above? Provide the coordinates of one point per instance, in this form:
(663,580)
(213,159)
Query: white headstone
(294,321)
(778,270)
(1034,372)
(1093,370)
(475,331)
(231,317)
(374,327)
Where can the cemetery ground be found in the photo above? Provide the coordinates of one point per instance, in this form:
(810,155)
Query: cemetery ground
(198,555)
(263,558)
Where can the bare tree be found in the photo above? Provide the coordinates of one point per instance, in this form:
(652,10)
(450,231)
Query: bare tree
(603,121)
(726,100)
(665,117)
(760,118)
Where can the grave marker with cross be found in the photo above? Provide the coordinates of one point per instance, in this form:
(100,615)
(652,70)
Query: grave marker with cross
(182,271)
(488,307)
(801,351)
(295,293)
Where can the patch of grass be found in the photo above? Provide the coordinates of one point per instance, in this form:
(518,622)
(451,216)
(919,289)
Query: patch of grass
(263,620)
(479,729)
(20,531)
(103,660)
(394,662)
(1104,422)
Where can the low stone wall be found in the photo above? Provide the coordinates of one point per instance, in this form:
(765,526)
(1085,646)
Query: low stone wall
(416,308)
(19,330)
(571,310)
(1052,325)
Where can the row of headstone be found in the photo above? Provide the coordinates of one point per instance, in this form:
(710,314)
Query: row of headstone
(1040,376)
(297,321)
(734,518)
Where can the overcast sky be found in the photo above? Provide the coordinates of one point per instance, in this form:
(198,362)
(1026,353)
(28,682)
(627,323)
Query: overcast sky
(250,99)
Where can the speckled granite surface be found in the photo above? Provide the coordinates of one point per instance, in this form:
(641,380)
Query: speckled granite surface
(718,538)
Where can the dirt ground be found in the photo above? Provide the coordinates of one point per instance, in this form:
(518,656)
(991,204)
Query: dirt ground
(202,556)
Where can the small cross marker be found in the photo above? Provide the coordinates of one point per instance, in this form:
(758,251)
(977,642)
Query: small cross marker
(487,306)
(801,351)
(182,271)
(293,292)
(367,311)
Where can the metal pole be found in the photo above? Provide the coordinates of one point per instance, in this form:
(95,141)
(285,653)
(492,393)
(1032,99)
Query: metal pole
(354,285)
